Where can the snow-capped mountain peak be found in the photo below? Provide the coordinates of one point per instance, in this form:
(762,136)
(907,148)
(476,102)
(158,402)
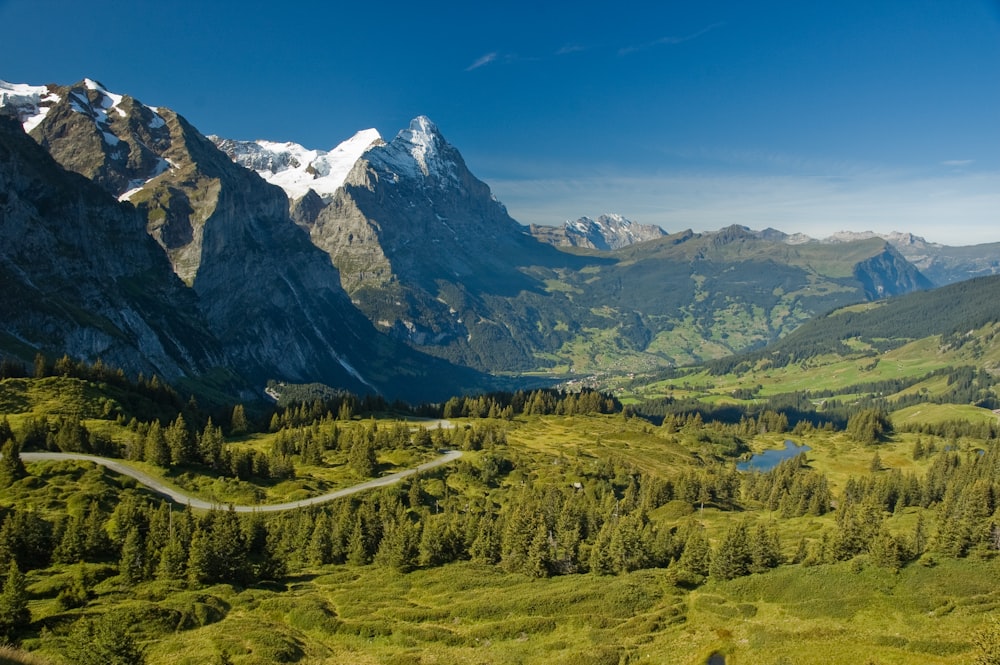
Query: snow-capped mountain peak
(297,169)
(613,231)
(53,112)
(423,137)
(418,151)
(30,102)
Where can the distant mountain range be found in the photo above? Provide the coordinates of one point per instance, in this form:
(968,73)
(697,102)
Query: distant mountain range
(606,232)
(374,266)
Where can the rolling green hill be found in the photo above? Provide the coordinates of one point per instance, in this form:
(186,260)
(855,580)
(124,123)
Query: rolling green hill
(563,535)
(572,530)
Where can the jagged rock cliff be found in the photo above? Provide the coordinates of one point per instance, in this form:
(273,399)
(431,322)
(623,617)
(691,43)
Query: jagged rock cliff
(271,298)
(81,276)
(428,252)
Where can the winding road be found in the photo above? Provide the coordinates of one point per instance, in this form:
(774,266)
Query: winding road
(185,500)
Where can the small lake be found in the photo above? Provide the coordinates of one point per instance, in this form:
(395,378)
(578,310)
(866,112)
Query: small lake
(769,459)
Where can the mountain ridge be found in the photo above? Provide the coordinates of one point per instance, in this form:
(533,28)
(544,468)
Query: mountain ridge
(411,266)
(271,298)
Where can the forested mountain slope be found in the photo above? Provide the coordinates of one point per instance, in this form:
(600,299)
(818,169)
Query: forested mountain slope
(953,312)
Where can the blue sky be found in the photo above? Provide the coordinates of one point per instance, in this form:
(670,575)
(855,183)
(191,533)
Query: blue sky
(805,116)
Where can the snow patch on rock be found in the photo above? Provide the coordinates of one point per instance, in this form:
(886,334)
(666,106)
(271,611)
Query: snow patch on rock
(31,103)
(297,169)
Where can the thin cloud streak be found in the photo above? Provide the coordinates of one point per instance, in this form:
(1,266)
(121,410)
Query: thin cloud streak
(668,41)
(956,210)
(498,57)
(482,61)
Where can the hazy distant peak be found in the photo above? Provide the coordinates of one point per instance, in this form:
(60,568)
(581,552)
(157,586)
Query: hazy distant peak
(896,238)
(610,231)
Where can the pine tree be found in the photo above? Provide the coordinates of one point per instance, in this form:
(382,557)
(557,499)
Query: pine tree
(517,534)
(919,543)
(179,442)
(693,566)
(431,550)
(318,551)
(362,458)
(210,445)
(357,552)
(41,367)
(11,466)
(71,546)
(238,423)
(869,426)
(156,451)
(75,594)
(199,565)
(229,550)
(96,544)
(885,550)
(399,546)
(133,558)
(27,537)
(105,641)
(485,547)
(14,613)
(538,562)
(765,549)
(801,551)
(732,558)
(173,560)
(600,555)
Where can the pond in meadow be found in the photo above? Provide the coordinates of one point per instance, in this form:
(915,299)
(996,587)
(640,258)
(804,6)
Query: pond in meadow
(769,459)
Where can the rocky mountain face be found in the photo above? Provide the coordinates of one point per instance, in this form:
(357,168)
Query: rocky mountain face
(426,251)
(348,266)
(270,297)
(81,276)
(605,233)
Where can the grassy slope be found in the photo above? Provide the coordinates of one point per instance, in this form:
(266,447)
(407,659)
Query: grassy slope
(465,613)
(723,297)
(835,372)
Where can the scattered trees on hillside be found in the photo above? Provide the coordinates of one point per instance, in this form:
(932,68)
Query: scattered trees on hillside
(869,426)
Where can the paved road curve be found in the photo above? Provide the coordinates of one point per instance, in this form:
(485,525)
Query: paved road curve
(185,500)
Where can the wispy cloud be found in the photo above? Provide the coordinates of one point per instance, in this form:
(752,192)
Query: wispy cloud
(957,162)
(482,61)
(668,41)
(498,57)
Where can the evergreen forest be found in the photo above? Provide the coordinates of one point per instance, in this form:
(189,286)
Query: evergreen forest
(577,526)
